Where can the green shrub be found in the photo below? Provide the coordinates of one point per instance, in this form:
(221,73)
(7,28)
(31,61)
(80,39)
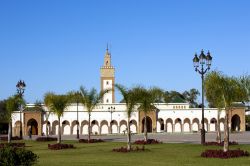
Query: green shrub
(17,156)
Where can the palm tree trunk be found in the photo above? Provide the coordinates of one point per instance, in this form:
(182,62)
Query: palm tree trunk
(145,128)
(218,137)
(47,128)
(89,129)
(59,131)
(10,132)
(129,136)
(226,133)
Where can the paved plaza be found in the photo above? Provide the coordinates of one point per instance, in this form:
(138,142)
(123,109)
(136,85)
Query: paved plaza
(241,137)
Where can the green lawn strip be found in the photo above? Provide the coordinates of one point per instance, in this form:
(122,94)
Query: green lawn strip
(159,154)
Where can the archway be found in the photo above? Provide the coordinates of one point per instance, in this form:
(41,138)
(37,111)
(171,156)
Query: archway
(123,126)
(133,126)
(160,125)
(169,125)
(114,127)
(148,123)
(235,123)
(213,124)
(95,127)
(65,128)
(195,125)
(104,127)
(178,125)
(33,125)
(186,125)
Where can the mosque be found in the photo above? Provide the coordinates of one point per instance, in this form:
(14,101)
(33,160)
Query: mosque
(109,117)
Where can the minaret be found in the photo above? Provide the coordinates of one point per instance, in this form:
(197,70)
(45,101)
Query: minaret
(108,78)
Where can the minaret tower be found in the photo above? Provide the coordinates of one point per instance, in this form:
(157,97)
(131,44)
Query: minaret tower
(108,78)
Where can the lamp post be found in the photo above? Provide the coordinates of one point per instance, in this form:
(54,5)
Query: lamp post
(111,109)
(205,63)
(20,90)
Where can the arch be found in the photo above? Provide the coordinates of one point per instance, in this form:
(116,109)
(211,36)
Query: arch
(177,125)
(123,126)
(169,125)
(213,124)
(33,125)
(222,120)
(235,123)
(148,123)
(160,125)
(133,126)
(73,129)
(195,125)
(187,125)
(55,126)
(114,127)
(17,128)
(44,127)
(95,127)
(65,127)
(84,127)
(104,127)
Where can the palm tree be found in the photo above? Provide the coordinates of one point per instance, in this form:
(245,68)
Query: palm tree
(47,100)
(233,91)
(90,100)
(12,104)
(57,104)
(191,97)
(214,95)
(75,96)
(229,90)
(130,100)
(146,99)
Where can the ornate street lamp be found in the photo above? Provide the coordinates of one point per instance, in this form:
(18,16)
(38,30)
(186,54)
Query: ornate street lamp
(20,91)
(111,109)
(205,63)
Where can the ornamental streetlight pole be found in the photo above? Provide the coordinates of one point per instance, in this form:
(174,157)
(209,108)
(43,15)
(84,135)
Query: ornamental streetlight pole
(111,109)
(20,91)
(204,61)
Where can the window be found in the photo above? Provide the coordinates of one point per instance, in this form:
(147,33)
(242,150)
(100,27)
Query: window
(107,101)
(107,83)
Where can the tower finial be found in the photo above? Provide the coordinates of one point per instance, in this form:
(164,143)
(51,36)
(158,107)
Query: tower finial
(107,49)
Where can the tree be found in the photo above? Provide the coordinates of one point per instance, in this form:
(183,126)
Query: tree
(57,104)
(129,98)
(173,97)
(146,99)
(90,99)
(214,96)
(47,100)
(12,104)
(230,90)
(233,91)
(191,97)
(75,96)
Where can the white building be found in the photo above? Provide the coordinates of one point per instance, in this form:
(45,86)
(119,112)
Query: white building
(110,117)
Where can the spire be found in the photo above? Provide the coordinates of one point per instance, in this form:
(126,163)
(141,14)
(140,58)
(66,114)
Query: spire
(107,49)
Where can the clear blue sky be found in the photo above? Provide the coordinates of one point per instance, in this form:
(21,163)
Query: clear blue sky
(59,45)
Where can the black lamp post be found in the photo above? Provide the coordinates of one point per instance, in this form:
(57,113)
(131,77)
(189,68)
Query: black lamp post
(111,109)
(205,62)
(20,90)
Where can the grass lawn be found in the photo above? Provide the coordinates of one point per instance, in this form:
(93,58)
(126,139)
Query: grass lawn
(158,155)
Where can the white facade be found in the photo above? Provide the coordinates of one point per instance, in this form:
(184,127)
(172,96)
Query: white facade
(171,118)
